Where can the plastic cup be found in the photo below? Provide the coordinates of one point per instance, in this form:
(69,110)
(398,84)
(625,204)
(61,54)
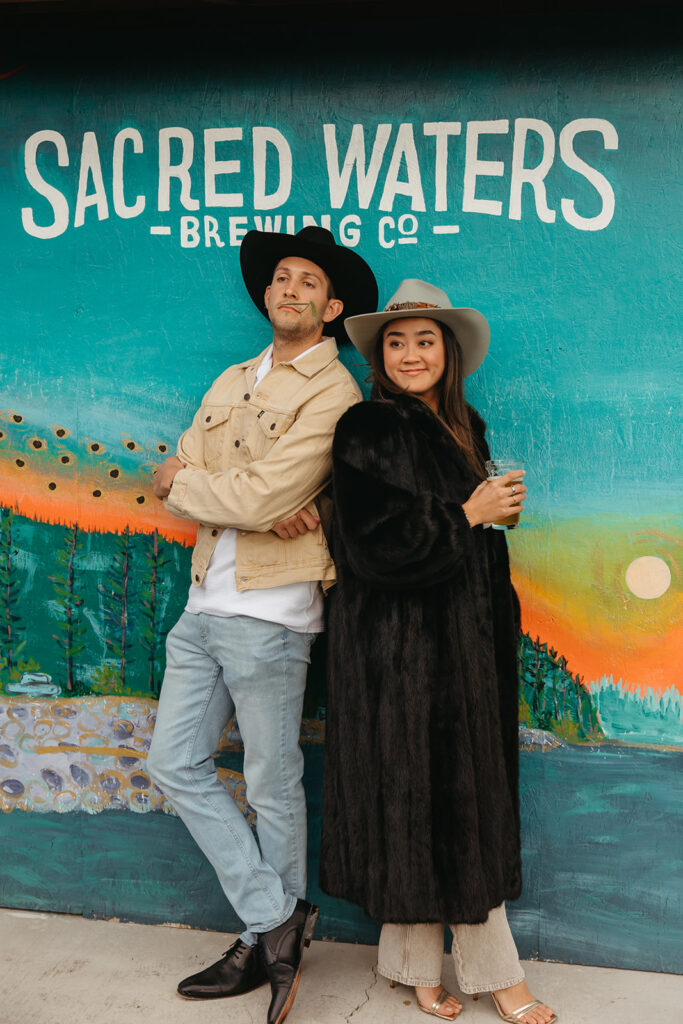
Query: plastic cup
(499,467)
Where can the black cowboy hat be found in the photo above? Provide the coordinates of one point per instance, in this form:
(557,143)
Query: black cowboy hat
(353,281)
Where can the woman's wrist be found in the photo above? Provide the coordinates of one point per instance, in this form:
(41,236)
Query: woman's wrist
(468,516)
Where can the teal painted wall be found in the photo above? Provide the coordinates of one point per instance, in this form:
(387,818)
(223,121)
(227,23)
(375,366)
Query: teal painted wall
(121,299)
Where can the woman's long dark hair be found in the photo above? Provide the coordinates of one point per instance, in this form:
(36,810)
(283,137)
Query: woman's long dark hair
(453,411)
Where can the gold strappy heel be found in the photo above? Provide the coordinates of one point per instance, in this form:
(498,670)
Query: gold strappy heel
(436,1006)
(516,1016)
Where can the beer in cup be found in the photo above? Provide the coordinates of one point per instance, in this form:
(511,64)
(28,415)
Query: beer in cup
(499,467)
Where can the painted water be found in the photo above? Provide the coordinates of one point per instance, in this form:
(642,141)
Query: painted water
(599,876)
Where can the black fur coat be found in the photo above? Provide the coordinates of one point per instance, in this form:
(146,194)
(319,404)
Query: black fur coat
(420,800)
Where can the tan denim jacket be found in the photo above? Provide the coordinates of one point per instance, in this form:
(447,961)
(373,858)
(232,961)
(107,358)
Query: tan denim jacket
(253,458)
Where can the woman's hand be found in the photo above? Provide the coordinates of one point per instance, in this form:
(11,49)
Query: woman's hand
(163,475)
(494,499)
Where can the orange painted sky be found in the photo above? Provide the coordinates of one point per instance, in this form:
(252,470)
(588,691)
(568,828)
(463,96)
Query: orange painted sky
(72,503)
(650,663)
(572,587)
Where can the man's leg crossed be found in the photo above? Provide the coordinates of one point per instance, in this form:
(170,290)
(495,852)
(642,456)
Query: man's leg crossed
(267,681)
(194,707)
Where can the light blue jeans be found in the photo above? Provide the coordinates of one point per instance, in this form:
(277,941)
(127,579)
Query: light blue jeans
(217,667)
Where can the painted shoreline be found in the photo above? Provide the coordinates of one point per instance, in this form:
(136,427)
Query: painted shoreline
(88,754)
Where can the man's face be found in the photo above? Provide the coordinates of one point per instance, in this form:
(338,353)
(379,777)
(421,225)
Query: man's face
(297,298)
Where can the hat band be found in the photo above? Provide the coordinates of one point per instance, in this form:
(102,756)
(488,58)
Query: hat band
(396,306)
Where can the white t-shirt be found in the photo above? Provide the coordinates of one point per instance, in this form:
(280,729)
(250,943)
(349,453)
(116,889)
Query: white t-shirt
(298,606)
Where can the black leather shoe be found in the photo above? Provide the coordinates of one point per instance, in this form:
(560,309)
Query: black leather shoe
(282,949)
(240,970)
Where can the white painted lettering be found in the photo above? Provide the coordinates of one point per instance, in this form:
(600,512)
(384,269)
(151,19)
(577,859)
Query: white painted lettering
(404,149)
(476,168)
(262,138)
(90,165)
(384,223)
(58,202)
(214,167)
(349,233)
(189,232)
(533,176)
(597,180)
(120,206)
(238,229)
(441,130)
(181,171)
(355,158)
(407,229)
(211,232)
(268,223)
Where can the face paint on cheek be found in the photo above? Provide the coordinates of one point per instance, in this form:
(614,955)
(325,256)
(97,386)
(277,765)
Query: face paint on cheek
(314,311)
(300,307)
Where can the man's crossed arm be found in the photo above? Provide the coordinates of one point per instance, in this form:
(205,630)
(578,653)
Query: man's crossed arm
(260,496)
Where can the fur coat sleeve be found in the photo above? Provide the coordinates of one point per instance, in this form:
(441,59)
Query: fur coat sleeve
(395,531)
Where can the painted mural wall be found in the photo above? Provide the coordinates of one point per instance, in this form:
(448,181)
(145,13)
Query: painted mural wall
(542,189)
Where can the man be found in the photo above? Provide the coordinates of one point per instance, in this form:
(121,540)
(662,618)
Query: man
(251,470)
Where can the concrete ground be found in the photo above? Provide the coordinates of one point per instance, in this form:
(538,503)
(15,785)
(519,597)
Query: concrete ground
(62,969)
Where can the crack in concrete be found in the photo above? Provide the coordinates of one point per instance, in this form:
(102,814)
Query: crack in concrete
(363,1002)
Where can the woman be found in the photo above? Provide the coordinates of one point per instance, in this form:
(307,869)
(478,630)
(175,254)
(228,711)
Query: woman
(420,809)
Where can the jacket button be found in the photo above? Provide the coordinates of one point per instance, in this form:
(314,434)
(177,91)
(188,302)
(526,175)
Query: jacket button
(214,533)
(237,444)
(272,426)
(247,397)
(208,419)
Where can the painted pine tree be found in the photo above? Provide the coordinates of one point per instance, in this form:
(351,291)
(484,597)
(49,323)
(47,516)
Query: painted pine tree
(69,604)
(551,697)
(11,630)
(151,603)
(116,593)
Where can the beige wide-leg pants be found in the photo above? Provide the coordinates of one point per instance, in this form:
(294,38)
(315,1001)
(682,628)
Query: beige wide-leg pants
(485,955)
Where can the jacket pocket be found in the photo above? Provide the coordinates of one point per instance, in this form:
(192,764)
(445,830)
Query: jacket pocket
(215,424)
(270,424)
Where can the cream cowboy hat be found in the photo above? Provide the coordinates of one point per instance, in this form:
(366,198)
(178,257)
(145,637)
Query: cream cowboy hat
(418,298)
